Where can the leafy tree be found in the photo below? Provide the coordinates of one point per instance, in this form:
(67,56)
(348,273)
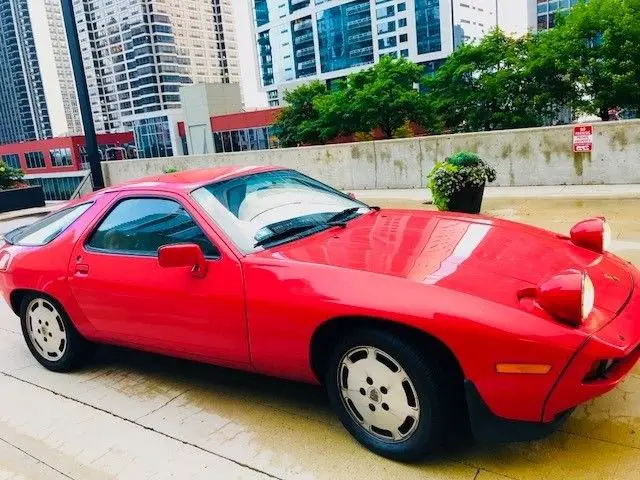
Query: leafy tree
(485,86)
(596,47)
(386,96)
(299,122)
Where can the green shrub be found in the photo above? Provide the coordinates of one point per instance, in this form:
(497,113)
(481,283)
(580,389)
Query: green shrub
(10,177)
(170,170)
(463,169)
(464,159)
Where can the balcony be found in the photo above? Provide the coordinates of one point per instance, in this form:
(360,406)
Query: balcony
(360,37)
(307,37)
(360,52)
(359,22)
(302,25)
(304,52)
(306,64)
(353,9)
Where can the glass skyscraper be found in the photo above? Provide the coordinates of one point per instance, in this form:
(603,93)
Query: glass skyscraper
(23,107)
(299,40)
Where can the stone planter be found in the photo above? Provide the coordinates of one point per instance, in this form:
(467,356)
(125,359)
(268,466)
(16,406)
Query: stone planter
(20,198)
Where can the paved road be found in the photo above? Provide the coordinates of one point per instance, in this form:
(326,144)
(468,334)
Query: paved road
(137,416)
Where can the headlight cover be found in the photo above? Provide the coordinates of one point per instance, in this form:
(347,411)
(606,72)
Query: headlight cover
(568,296)
(593,234)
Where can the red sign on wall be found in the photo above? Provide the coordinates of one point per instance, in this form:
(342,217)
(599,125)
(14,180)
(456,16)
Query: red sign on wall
(583,138)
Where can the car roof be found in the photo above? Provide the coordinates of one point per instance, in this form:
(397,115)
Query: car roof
(189,180)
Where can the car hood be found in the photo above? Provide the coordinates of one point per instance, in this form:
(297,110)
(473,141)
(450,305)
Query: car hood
(478,255)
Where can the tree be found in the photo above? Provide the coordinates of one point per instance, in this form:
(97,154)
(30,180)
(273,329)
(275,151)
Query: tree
(386,96)
(299,122)
(485,86)
(596,46)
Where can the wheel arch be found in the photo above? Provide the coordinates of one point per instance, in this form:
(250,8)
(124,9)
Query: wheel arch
(17,295)
(328,331)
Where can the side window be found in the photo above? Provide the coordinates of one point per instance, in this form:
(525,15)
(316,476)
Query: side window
(45,230)
(142,225)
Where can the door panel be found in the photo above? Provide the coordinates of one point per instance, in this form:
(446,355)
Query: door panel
(129,298)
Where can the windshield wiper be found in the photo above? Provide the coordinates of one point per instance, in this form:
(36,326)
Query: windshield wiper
(341,216)
(283,234)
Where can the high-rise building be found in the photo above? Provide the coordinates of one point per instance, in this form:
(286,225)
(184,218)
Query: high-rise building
(55,63)
(23,106)
(137,54)
(546,11)
(299,40)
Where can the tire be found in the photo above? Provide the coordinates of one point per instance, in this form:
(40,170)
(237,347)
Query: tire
(50,335)
(368,417)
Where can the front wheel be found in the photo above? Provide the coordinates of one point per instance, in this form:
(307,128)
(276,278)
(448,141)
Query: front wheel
(389,395)
(51,337)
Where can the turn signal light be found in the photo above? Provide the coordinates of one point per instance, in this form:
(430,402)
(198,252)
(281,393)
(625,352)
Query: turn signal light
(568,296)
(593,234)
(523,368)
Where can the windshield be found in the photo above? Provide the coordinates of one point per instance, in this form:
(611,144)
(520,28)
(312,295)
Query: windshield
(274,207)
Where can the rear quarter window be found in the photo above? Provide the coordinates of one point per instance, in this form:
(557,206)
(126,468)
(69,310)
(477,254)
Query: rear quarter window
(45,230)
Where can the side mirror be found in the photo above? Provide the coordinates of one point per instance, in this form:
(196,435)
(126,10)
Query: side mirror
(351,195)
(183,255)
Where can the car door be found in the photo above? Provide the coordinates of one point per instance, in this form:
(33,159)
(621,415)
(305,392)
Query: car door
(126,295)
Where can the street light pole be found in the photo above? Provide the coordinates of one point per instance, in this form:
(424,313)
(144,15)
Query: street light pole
(91,143)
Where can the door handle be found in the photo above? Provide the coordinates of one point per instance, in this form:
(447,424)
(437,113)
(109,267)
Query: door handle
(82,268)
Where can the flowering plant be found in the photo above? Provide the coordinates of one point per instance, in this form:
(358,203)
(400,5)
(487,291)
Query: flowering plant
(10,177)
(461,170)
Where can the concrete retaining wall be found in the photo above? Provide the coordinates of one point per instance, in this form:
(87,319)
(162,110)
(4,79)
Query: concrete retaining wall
(535,156)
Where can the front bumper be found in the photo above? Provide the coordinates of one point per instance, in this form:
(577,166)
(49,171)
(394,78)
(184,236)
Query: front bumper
(618,341)
(488,427)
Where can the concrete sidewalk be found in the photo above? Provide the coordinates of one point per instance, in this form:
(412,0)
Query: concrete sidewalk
(541,192)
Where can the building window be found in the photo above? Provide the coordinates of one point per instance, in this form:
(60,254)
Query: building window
(345,36)
(386,27)
(56,188)
(260,138)
(60,157)
(402,7)
(384,12)
(404,53)
(153,137)
(402,22)
(428,26)
(387,42)
(403,38)
(34,159)
(11,160)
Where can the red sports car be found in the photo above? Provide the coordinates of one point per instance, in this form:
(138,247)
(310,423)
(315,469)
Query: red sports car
(406,317)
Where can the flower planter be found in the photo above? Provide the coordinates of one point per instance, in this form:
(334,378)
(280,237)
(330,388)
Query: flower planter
(467,200)
(19,198)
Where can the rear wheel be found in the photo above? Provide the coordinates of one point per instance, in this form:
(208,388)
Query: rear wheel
(391,397)
(50,335)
